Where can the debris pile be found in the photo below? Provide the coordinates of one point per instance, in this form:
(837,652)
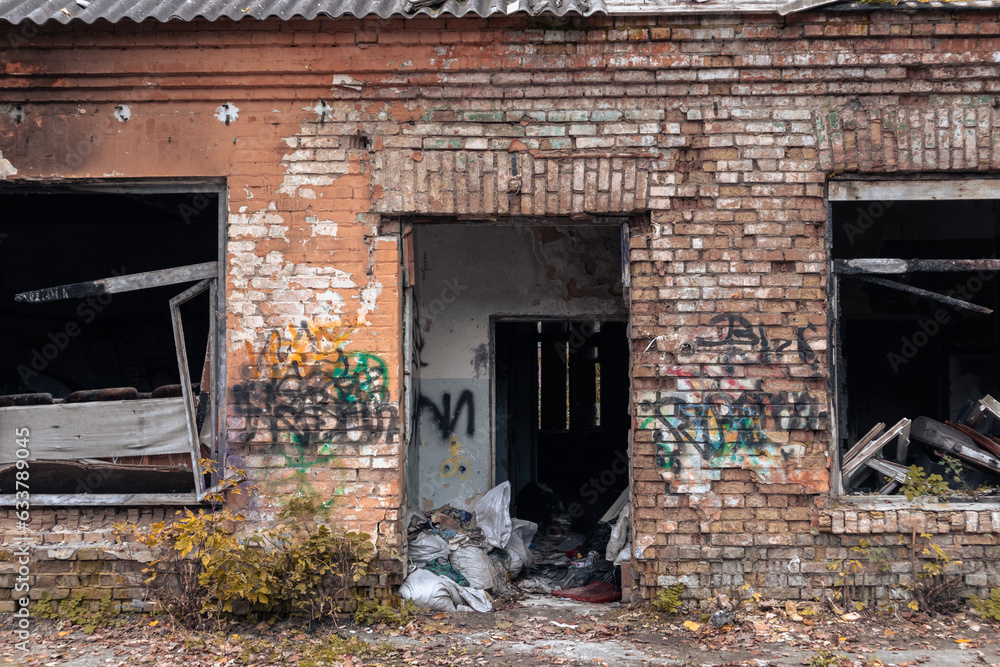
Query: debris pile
(459,556)
(972,438)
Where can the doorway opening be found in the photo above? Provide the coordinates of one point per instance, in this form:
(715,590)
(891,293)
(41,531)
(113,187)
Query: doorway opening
(562,416)
(491,306)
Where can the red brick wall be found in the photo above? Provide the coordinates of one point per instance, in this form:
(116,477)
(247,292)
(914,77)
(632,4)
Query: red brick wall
(717,133)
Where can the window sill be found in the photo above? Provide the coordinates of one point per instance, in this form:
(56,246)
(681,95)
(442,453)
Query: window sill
(101,500)
(883,503)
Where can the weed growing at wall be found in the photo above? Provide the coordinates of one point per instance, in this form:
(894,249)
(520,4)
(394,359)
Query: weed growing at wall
(76,611)
(850,572)
(989,606)
(933,588)
(670,599)
(207,569)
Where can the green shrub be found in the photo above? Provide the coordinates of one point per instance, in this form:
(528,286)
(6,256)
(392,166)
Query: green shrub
(919,484)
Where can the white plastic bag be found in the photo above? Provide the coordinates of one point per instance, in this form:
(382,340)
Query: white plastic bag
(437,593)
(476,566)
(493,515)
(428,591)
(619,535)
(427,546)
(521,534)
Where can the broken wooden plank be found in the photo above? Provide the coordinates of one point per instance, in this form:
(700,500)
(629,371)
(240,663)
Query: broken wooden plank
(860,444)
(190,407)
(617,506)
(910,289)
(972,455)
(857,463)
(127,283)
(991,405)
(801,5)
(895,471)
(983,441)
(886,265)
(98,430)
(886,193)
(890,487)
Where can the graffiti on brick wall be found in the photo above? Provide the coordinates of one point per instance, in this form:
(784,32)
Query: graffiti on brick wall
(724,424)
(311,394)
(447,419)
(741,337)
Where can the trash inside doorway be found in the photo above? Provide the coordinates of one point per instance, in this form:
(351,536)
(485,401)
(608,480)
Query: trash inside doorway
(520,381)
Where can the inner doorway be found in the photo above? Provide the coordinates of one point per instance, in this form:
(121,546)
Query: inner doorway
(562,416)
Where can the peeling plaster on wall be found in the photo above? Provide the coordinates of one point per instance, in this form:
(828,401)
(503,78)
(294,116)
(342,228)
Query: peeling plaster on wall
(6,168)
(346,81)
(481,361)
(322,227)
(227,113)
(369,299)
(263,223)
(123,112)
(291,184)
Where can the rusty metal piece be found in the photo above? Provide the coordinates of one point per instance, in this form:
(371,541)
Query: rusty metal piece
(25,399)
(95,395)
(172,391)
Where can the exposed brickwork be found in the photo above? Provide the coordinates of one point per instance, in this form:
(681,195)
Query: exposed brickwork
(717,133)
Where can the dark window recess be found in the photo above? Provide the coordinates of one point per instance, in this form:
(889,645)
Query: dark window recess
(918,341)
(562,408)
(97,360)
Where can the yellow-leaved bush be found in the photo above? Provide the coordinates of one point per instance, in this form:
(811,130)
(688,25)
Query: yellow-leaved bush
(206,568)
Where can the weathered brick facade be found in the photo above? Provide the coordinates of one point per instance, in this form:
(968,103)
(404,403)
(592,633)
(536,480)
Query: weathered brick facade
(715,135)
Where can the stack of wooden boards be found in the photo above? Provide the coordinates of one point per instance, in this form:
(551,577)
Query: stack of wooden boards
(969,438)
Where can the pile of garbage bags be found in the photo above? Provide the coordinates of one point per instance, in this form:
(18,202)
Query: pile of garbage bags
(459,556)
(460,553)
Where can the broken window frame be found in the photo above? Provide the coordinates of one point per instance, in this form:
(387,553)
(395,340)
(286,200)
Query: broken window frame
(216,344)
(880,270)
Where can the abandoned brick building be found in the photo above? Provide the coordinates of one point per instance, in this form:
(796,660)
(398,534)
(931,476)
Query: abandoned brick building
(397,253)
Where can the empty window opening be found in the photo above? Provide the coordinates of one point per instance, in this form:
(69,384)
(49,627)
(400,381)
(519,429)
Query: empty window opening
(92,370)
(919,338)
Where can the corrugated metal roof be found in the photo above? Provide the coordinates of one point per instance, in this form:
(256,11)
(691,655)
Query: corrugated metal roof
(791,6)
(64,11)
